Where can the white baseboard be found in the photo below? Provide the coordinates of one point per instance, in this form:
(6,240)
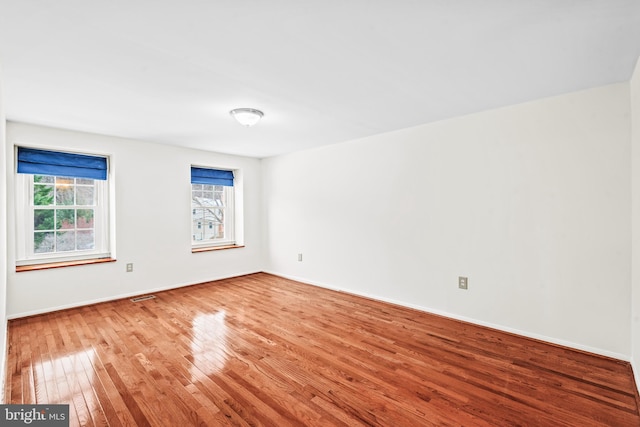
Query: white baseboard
(120,296)
(503,328)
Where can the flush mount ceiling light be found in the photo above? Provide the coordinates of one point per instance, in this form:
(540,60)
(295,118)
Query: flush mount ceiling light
(247,116)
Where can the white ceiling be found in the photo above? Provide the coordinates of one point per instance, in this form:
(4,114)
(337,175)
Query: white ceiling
(323,72)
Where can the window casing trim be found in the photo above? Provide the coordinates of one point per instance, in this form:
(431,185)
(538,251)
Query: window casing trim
(229,223)
(231,180)
(25,256)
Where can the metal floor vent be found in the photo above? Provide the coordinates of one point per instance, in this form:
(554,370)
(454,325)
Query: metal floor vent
(144,298)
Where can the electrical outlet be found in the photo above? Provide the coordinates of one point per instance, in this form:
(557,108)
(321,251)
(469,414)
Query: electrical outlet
(463,282)
(129,267)
(300,257)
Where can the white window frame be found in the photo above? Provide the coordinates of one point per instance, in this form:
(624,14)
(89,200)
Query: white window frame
(229,220)
(24,226)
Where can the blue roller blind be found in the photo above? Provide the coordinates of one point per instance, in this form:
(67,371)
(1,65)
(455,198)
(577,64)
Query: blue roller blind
(211,176)
(43,162)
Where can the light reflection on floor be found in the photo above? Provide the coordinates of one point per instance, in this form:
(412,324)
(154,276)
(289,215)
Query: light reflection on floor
(209,344)
(65,380)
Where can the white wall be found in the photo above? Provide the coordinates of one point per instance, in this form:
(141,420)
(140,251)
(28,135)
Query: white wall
(531,202)
(635,144)
(3,250)
(152,208)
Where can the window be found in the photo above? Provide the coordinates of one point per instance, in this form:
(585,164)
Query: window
(212,207)
(62,207)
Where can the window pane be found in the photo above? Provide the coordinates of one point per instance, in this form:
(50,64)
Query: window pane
(65,218)
(64,215)
(65,241)
(214,230)
(213,223)
(85,218)
(43,242)
(43,179)
(208,209)
(85,240)
(197,219)
(219,198)
(197,214)
(215,215)
(64,191)
(84,195)
(42,195)
(43,219)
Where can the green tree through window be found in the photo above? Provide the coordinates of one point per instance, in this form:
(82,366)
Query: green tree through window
(63,216)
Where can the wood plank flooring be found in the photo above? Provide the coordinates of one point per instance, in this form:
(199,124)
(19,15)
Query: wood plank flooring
(262,350)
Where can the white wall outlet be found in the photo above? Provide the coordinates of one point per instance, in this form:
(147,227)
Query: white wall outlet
(463,282)
(129,267)
(300,257)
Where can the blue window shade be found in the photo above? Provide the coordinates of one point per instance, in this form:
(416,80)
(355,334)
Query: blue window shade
(211,176)
(42,162)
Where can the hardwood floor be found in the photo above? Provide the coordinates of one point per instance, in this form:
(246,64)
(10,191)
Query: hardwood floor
(262,350)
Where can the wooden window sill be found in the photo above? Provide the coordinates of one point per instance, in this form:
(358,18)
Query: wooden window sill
(50,265)
(215,248)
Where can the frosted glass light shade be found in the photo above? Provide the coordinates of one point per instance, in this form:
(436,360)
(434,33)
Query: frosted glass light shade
(247,116)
